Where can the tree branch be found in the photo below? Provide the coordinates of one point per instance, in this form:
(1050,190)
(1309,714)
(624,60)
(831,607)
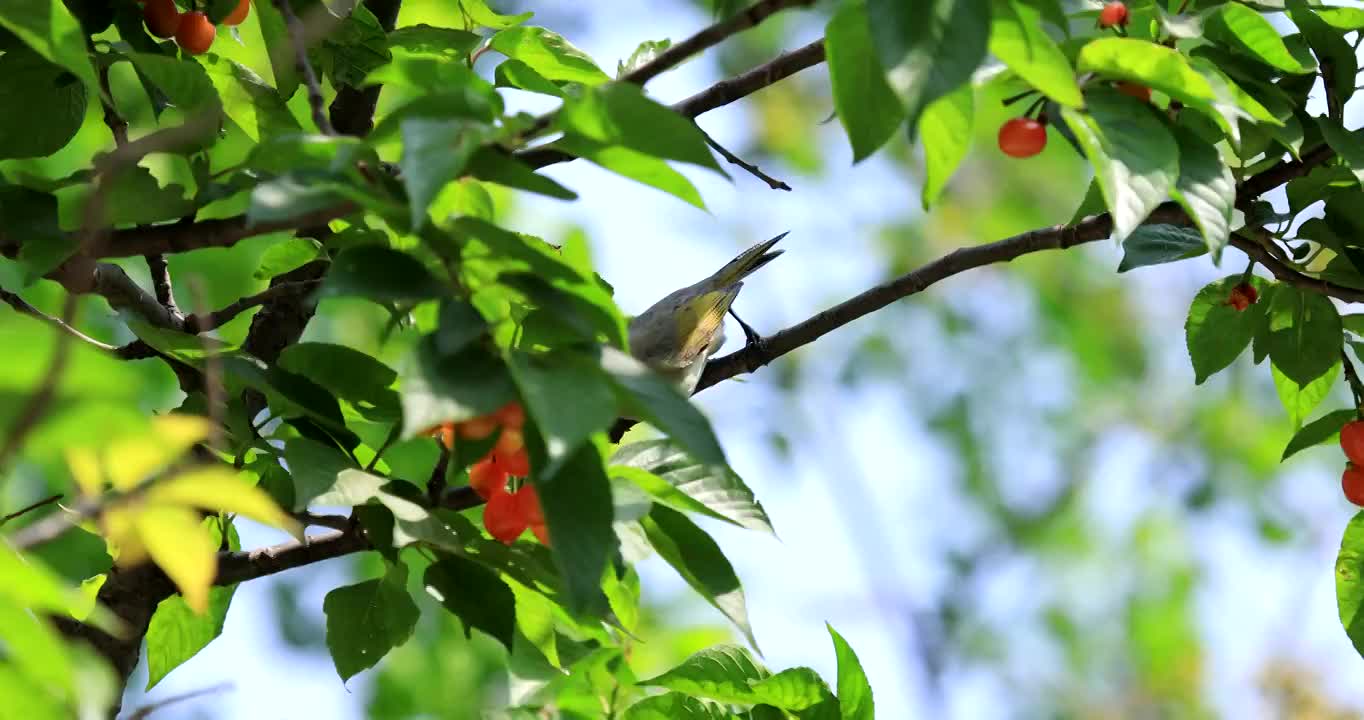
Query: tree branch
(161,282)
(752,169)
(21,305)
(305,69)
(709,37)
(30,508)
(203,322)
(235,567)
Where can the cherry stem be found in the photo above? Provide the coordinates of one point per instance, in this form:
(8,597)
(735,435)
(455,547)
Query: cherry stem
(1250,269)
(1356,387)
(1015,98)
(1035,107)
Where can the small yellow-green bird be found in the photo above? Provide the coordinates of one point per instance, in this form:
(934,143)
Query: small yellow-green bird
(679,333)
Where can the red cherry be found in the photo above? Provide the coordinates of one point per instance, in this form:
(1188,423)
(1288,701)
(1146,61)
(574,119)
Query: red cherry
(1022,137)
(516,464)
(238,15)
(512,415)
(1140,92)
(162,17)
(487,478)
(1352,441)
(502,518)
(1352,483)
(195,34)
(1114,13)
(478,428)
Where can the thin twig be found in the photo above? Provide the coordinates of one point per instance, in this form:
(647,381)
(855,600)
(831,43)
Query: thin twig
(709,37)
(146,710)
(733,159)
(674,55)
(1352,378)
(30,508)
(305,68)
(19,304)
(118,127)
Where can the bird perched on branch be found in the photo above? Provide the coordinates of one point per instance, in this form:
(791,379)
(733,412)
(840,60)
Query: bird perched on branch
(679,333)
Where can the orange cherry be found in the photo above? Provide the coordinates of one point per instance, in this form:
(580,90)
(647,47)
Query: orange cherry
(487,478)
(478,428)
(1352,441)
(162,17)
(1352,482)
(502,518)
(238,15)
(195,34)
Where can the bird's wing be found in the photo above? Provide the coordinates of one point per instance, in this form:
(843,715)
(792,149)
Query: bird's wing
(697,325)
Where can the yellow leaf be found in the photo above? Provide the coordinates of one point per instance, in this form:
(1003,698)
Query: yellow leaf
(182,548)
(85,470)
(222,489)
(120,531)
(132,460)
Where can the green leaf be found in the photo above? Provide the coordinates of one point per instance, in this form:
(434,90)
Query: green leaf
(1299,400)
(133,196)
(567,396)
(423,38)
(1155,66)
(48,29)
(353,48)
(32,217)
(275,33)
(1305,334)
(1157,244)
(928,49)
(177,633)
(577,505)
(475,594)
(381,274)
(493,166)
(35,648)
(700,562)
(1342,18)
(1239,27)
(637,166)
(516,74)
(867,107)
(1215,332)
(674,478)
(336,483)
(440,386)
(477,12)
(854,692)
(549,54)
(1018,39)
(1335,56)
(366,620)
(620,114)
(435,152)
(1135,158)
(1325,429)
(349,374)
(724,673)
(1349,584)
(1349,145)
(674,706)
(945,129)
(183,81)
(53,102)
(649,397)
(1205,189)
(792,689)
(644,53)
(289,254)
(255,106)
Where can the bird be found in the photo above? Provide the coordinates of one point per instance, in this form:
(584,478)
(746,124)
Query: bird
(678,334)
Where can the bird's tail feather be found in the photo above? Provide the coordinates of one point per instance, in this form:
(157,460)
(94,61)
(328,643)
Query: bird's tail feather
(749,261)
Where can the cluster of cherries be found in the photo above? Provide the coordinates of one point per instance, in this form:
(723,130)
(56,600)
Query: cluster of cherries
(1024,137)
(1352,442)
(510,512)
(192,30)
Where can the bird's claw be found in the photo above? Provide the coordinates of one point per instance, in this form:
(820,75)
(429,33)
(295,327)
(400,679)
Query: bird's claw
(752,338)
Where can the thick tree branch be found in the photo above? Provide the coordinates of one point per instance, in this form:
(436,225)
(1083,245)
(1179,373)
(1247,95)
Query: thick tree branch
(235,567)
(203,322)
(161,282)
(709,37)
